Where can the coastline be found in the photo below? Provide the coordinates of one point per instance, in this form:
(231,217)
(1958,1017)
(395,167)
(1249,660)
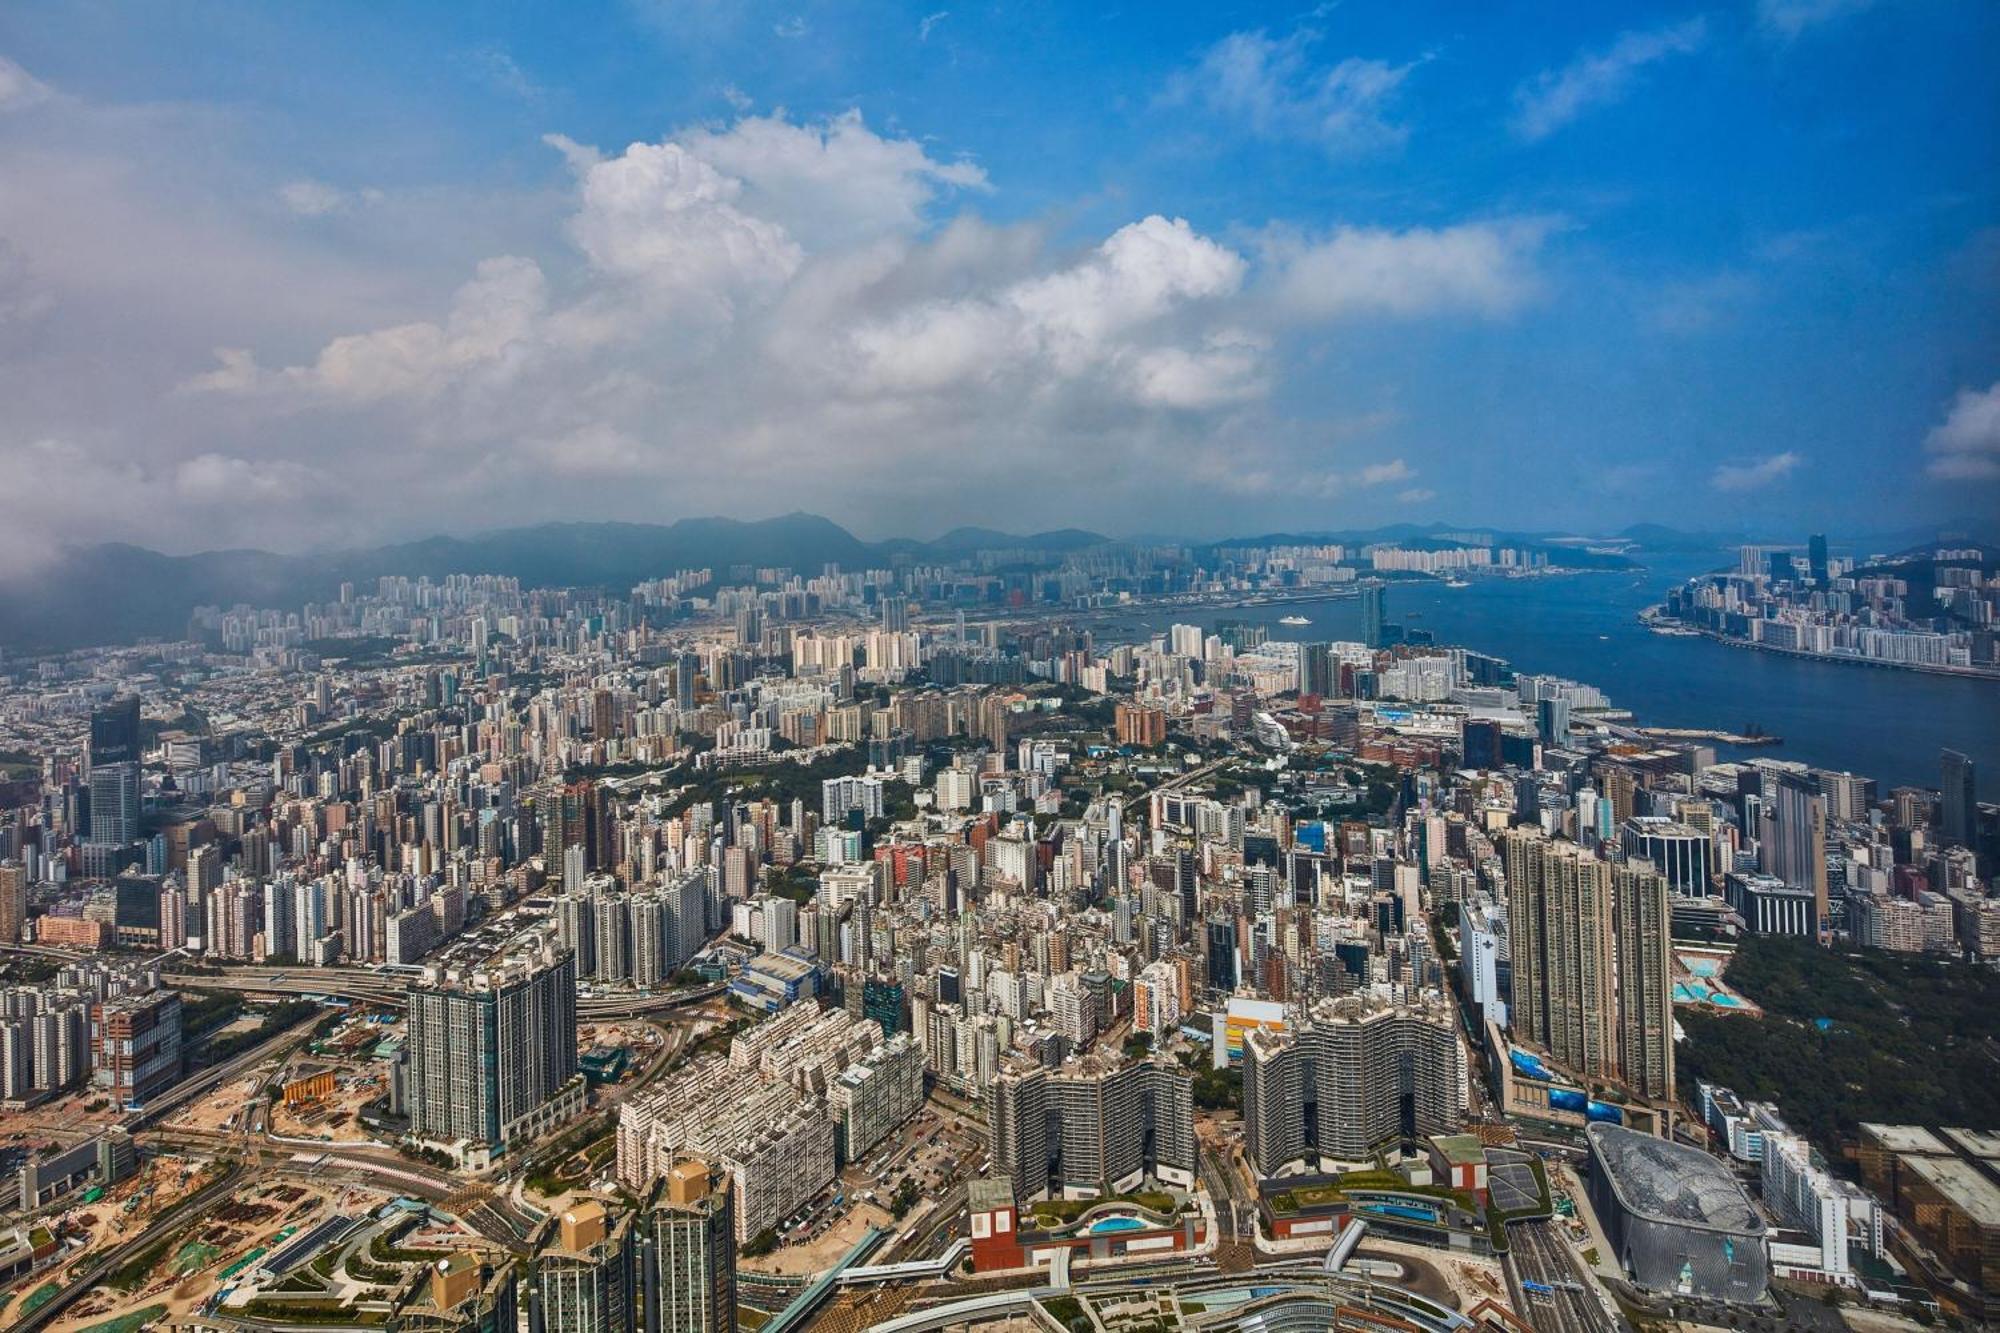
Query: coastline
(1243,601)
(1593,630)
(1652,616)
(1708,734)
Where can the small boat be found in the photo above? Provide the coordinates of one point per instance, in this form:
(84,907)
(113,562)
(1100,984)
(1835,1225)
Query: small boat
(1293,620)
(1456,583)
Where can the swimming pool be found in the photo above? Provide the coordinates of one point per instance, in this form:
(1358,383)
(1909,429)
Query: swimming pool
(1103,1224)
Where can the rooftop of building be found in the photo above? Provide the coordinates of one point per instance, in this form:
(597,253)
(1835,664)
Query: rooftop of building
(1963,1184)
(456,1262)
(783,965)
(1244,1009)
(1460,1149)
(585,1210)
(1981,1143)
(1659,826)
(1665,1181)
(490,974)
(986,1195)
(1906,1139)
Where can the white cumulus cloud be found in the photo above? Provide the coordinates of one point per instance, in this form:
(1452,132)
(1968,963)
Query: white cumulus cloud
(1137,274)
(830,184)
(492,318)
(1092,315)
(659,214)
(1227,369)
(1965,446)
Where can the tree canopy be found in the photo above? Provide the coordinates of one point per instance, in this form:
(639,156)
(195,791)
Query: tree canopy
(1847,1038)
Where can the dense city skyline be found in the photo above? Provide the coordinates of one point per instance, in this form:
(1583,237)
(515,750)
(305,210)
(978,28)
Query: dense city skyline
(670,666)
(902,914)
(1301,270)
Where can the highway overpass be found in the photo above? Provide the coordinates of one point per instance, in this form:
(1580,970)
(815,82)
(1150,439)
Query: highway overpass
(354,983)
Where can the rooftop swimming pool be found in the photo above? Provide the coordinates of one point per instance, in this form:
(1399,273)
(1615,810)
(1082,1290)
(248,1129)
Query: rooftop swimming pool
(1410,1211)
(1103,1224)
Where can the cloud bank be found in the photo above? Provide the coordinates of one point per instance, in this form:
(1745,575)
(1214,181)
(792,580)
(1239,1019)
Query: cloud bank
(741,317)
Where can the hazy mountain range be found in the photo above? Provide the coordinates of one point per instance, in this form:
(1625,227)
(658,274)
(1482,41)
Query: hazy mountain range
(115,593)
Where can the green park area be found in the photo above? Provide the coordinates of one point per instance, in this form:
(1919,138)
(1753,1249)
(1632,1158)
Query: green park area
(1066,1311)
(1333,1193)
(1853,1037)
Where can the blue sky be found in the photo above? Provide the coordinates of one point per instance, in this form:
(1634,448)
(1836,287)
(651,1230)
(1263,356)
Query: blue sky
(317,274)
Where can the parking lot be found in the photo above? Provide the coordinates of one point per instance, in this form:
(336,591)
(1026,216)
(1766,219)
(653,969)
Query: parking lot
(935,1150)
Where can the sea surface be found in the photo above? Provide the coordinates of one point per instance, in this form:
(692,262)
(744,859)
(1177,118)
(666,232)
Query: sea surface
(1880,723)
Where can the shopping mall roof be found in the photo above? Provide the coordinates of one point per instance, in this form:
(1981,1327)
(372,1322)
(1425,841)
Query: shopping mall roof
(1664,1181)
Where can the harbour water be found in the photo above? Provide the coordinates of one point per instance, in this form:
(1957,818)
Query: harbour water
(1880,723)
